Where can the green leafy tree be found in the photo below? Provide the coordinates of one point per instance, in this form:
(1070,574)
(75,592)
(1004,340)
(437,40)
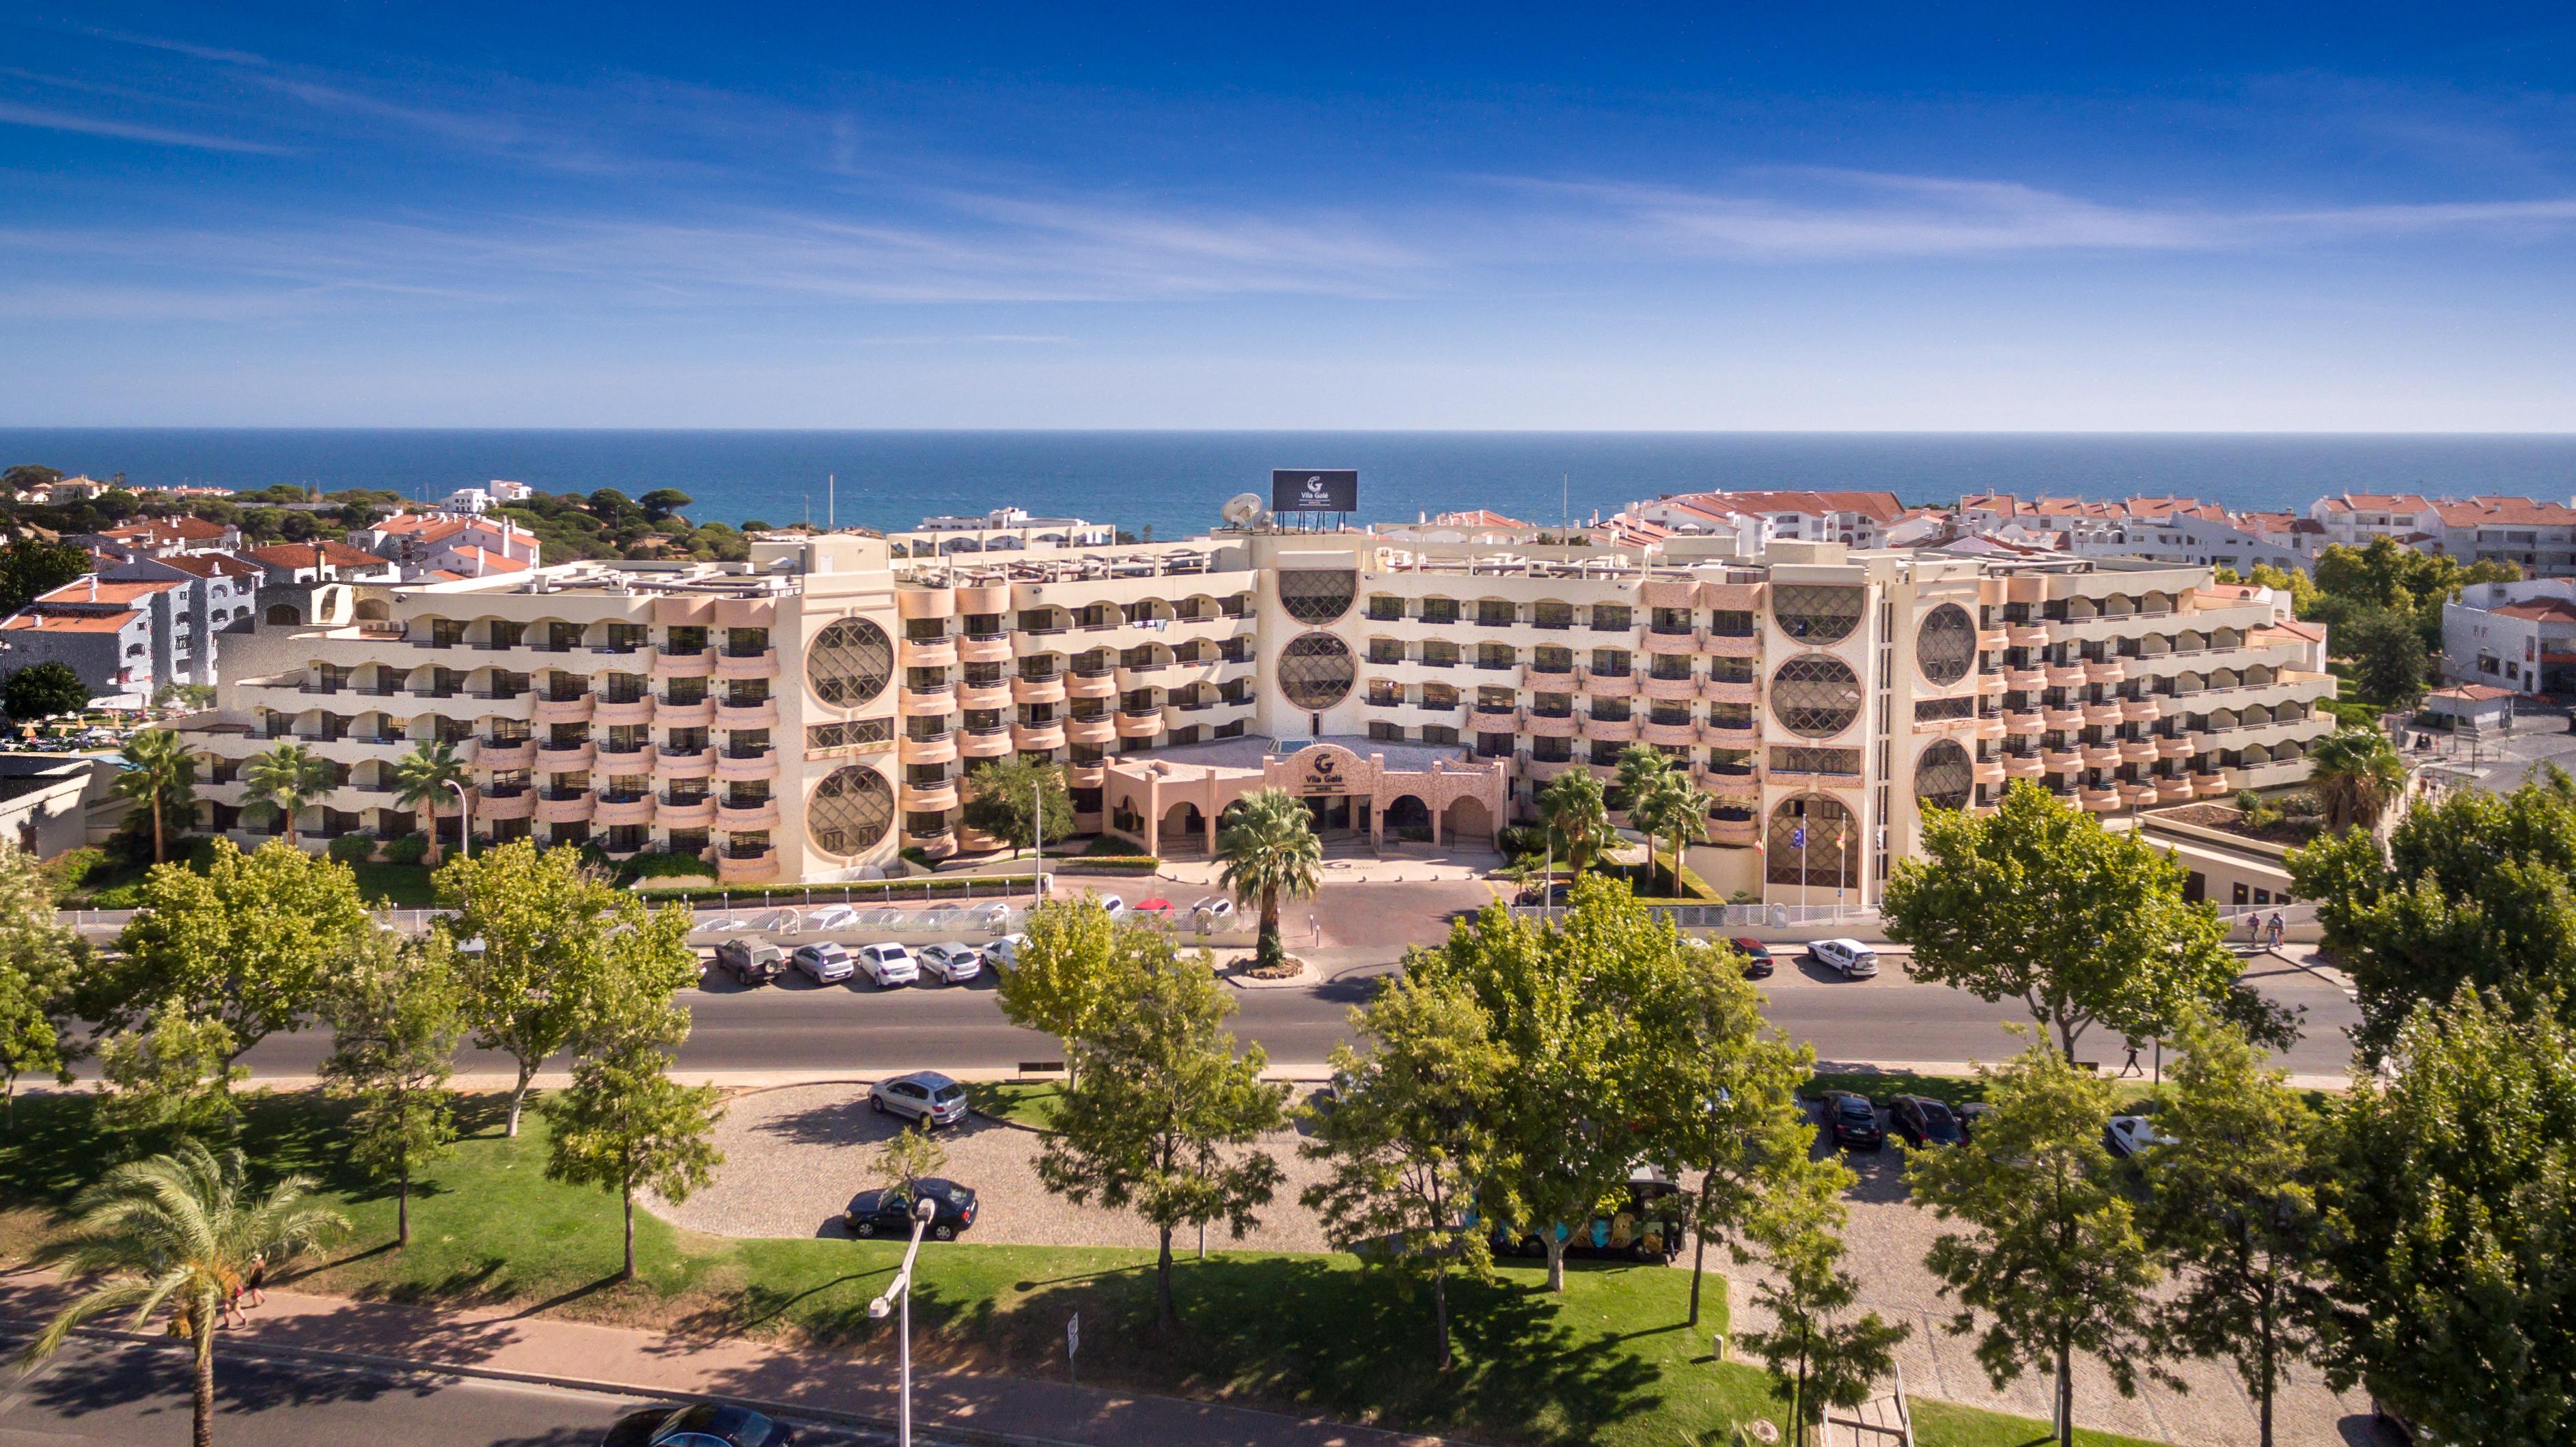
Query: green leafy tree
(2039,903)
(1270,855)
(1671,809)
(2231,1212)
(30,570)
(625,1125)
(169,1076)
(28,476)
(42,690)
(2357,775)
(1408,1141)
(160,775)
(1818,1355)
(1010,798)
(908,1158)
(2389,661)
(2478,889)
(176,1234)
(1577,815)
(30,1037)
(661,502)
(395,1020)
(290,779)
(1713,1093)
(2449,1206)
(1557,999)
(39,960)
(421,780)
(250,943)
(1159,1121)
(546,950)
(1061,974)
(2056,1263)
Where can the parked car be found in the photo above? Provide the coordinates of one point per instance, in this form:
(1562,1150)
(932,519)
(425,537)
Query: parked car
(1757,957)
(951,962)
(1330,1095)
(708,1424)
(2127,1135)
(1216,910)
(1972,1118)
(925,1096)
(1924,1121)
(1648,1227)
(888,1212)
(1853,1121)
(1855,960)
(888,965)
(1556,893)
(1004,953)
(992,917)
(751,962)
(828,963)
(1115,906)
(1158,907)
(832,917)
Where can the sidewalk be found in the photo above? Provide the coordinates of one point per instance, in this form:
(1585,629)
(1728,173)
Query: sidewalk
(519,1346)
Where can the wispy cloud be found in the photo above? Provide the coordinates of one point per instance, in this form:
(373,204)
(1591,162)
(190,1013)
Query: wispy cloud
(43,118)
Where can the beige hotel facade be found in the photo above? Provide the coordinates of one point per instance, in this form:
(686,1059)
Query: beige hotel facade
(807,715)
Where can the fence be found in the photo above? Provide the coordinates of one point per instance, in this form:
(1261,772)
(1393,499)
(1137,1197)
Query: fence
(1736,916)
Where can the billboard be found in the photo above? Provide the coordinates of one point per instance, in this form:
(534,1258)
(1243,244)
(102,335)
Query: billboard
(1314,489)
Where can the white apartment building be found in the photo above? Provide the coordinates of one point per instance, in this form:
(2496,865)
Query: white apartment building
(1003,530)
(2516,636)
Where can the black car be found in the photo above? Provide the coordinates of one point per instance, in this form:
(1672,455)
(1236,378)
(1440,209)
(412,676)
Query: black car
(1924,1121)
(1971,1117)
(1556,893)
(708,1424)
(1853,1120)
(1757,958)
(889,1212)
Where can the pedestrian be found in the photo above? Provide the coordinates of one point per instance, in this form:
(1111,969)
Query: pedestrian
(2254,928)
(2130,1066)
(258,1276)
(2276,929)
(231,1309)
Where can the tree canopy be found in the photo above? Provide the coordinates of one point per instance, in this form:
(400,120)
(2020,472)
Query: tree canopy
(1010,798)
(251,943)
(42,690)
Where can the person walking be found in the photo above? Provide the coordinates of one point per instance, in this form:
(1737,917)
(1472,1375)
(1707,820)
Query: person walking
(230,1313)
(2130,1066)
(258,1276)
(2276,929)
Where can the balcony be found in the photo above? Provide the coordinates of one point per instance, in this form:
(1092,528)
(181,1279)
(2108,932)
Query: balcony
(761,664)
(1732,645)
(986,743)
(637,809)
(2107,671)
(669,765)
(1684,733)
(686,813)
(2062,719)
(570,806)
(701,664)
(2209,786)
(701,714)
(1093,731)
(761,815)
(627,758)
(1038,690)
(984,648)
(2176,746)
(1671,643)
(1085,776)
(934,749)
(639,711)
(994,695)
(761,715)
(500,757)
(576,709)
(554,758)
(1140,725)
(1091,685)
(2100,801)
(1494,720)
(936,798)
(2103,715)
(2023,766)
(1037,738)
(929,698)
(1609,731)
(1738,833)
(2174,790)
(1684,687)
(2060,761)
(929,653)
(2101,756)
(1550,725)
(2025,635)
(1608,685)
(750,866)
(749,764)
(517,802)
(1743,691)
(2138,751)
(1992,640)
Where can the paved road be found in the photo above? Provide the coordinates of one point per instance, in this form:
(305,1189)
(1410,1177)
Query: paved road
(107,1393)
(803,1027)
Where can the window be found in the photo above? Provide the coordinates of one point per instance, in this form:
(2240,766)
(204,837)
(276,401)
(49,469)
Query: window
(852,734)
(1611,618)
(1817,613)
(850,810)
(1815,695)
(850,661)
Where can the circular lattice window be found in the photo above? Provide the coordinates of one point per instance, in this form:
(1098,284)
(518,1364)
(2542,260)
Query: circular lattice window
(1316,670)
(1946,646)
(1942,777)
(1815,613)
(1318,595)
(849,662)
(1815,696)
(851,810)
(1813,841)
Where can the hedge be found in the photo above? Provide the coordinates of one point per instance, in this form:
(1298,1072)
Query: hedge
(863,891)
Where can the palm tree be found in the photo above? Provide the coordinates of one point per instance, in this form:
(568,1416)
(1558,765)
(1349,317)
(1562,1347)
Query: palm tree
(1671,808)
(161,775)
(2357,775)
(178,1231)
(1271,854)
(290,777)
(421,778)
(1640,766)
(1577,814)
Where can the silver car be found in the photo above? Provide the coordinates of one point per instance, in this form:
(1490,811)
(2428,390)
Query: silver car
(828,963)
(925,1096)
(953,962)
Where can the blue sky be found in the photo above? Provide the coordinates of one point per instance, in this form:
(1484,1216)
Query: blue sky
(2345,217)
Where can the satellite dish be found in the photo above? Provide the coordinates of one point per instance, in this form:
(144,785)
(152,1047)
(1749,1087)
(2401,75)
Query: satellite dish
(1242,509)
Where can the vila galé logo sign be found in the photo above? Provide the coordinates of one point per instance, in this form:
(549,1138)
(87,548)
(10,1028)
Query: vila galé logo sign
(1314,489)
(1325,775)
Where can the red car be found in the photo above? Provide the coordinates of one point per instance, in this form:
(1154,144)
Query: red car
(1757,958)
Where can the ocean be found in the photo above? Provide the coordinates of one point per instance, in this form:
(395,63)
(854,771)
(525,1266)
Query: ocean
(1175,481)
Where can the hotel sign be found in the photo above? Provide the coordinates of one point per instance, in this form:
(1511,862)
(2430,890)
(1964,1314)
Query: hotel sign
(1311,489)
(1324,774)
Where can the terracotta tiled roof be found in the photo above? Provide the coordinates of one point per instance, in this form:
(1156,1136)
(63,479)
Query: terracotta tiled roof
(73,622)
(1477,518)
(2539,610)
(211,565)
(491,562)
(2473,692)
(2504,512)
(300,555)
(2376,502)
(111,590)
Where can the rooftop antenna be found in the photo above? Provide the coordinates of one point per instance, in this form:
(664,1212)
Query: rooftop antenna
(1565,500)
(831,502)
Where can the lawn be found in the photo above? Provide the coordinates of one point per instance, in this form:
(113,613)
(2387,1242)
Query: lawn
(1609,1362)
(404,886)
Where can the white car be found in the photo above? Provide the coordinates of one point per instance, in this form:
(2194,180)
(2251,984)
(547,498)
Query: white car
(1216,909)
(826,962)
(888,965)
(1115,906)
(993,917)
(1857,961)
(2127,1135)
(832,917)
(952,961)
(1004,953)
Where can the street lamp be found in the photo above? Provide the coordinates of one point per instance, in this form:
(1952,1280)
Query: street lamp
(464,820)
(899,1291)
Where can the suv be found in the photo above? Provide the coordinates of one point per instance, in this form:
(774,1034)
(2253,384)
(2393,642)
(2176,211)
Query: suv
(925,1095)
(825,961)
(1853,1121)
(1855,960)
(751,962)
(1924,1121)
(888,965)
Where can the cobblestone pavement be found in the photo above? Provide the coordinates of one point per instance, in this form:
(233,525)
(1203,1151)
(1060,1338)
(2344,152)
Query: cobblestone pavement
(795,1156)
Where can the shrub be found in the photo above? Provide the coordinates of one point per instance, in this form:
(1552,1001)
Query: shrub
(72,869)
(1518,839)
(121,896)
(352,848)
(667,865)
(915,854)
(409,849)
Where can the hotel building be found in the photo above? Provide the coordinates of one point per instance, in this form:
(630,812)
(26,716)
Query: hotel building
(808,714)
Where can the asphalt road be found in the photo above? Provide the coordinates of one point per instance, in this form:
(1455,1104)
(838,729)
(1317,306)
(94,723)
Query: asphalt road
(109,1393)
(801,1027)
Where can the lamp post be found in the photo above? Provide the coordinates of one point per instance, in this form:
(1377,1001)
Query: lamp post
(898,1294)
(464,820)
